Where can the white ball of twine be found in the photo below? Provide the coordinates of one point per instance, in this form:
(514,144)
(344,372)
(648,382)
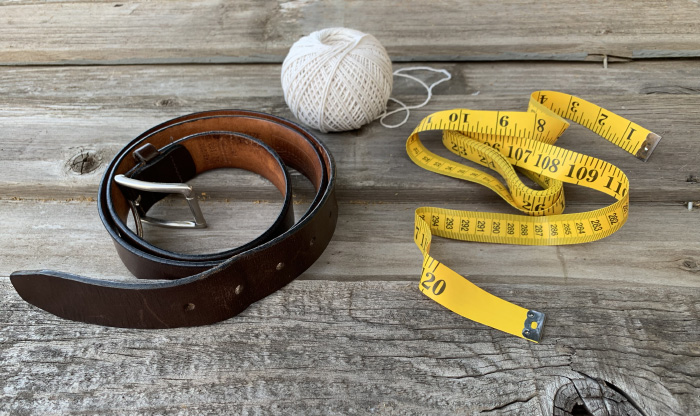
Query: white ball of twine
(337,79)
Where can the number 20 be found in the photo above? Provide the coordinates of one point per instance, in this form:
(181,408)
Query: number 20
(437,288)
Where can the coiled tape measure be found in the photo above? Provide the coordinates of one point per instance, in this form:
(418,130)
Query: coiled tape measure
(505,141)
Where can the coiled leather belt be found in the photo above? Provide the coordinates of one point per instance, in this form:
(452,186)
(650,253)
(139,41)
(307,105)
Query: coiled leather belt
(203,288)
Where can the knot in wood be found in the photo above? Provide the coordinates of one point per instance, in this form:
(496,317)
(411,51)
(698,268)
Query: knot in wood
(85,162)
(690,265)
(587,396)
(168,102)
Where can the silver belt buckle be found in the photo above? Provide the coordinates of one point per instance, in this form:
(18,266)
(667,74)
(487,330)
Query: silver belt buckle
(167,188)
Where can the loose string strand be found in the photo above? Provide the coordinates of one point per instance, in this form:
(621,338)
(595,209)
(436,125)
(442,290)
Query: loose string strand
(406,108)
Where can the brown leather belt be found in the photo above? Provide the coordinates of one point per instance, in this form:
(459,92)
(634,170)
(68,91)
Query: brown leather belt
(203,288)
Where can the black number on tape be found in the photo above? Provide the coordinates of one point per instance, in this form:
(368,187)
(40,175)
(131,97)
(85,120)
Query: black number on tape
(437,288)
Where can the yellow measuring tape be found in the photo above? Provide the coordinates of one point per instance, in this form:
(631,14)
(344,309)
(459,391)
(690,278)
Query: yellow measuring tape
(505,141)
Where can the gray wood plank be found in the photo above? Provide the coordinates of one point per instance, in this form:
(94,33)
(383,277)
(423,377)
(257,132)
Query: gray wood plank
(353,334)
(329,347)
(657,246)
(54,117)
(108,32)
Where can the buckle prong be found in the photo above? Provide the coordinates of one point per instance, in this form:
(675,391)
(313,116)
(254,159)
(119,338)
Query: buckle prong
(167,188)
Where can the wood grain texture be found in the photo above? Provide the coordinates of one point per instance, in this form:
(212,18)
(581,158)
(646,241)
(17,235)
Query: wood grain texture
(373,241)
(55,115)
(324,347)
(353,335)
(211,31)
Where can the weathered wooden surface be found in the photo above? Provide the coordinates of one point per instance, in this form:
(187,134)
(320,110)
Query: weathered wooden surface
(324,347)
(53,115)
(352,335)
(163,31)
(373,241)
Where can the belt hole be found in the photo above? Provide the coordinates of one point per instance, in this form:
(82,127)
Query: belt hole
(189,307)
(239,289)
(280,266)
(312,241)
